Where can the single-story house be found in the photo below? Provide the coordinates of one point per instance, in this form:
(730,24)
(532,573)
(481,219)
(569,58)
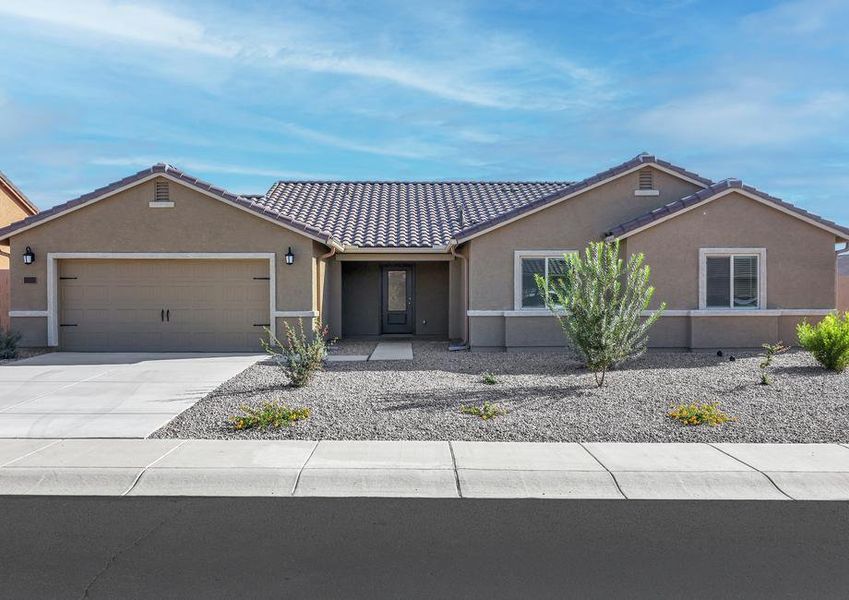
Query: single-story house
(14,206)
(163,261)
(843,283)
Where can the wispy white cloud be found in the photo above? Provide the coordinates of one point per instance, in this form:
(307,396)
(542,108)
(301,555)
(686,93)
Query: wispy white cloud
(408,148)
(197,166)
(804,18)
(135,22)
(746,116)
(458,69)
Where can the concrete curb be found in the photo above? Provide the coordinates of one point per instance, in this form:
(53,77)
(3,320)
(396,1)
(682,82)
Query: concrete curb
(424,469)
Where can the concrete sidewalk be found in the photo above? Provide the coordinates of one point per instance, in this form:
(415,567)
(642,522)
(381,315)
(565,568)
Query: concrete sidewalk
(425,469)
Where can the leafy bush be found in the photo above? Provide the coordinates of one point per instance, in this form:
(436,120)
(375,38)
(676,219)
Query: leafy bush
(485,411)
(770,352)
(828,341)
(697,414)
(599,305)
(488,378)
(9,344)
(270,414)
(302,355)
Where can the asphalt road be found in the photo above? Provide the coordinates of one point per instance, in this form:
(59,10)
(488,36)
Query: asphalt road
(61,547)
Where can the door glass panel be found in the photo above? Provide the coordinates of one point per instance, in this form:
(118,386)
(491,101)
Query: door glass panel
(396,282)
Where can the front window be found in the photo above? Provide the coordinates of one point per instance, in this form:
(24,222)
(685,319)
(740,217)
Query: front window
(732,281)
(552,267)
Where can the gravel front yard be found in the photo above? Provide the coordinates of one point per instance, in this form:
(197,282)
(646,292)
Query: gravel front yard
(549,398)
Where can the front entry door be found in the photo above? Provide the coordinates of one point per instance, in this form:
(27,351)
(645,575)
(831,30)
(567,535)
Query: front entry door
(397,299)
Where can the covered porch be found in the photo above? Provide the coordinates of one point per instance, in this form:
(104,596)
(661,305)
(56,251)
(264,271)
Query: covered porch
(395,295)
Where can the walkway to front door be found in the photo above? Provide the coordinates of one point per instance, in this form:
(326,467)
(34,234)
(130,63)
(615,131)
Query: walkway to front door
(387,350)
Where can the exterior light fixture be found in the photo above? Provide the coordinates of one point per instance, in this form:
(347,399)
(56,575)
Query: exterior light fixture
(290,258)
(29,256)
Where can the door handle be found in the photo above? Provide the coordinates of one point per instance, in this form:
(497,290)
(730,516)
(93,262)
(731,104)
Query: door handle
(162,315)
(168,315)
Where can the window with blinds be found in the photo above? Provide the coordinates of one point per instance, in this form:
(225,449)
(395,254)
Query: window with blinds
(731,281)
(554,269)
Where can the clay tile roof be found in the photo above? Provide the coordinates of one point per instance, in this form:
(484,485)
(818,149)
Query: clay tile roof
(710,192)
(404,214)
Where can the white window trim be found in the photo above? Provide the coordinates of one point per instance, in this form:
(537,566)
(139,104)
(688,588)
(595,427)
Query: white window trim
(53,277)
(160,204)
(647,192)
(518,255)
(723,252)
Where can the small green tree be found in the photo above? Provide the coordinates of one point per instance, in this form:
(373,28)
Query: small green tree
(599,305)
(828,340)
(302,354)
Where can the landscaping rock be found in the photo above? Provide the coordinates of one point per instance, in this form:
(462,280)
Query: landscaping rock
(548,396)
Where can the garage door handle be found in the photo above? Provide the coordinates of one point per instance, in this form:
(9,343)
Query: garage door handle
(168,315)
(162,315)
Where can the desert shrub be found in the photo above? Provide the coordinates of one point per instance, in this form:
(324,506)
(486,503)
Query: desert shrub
(485,411)
(828,341)
(697,414)
(770,351)
(269,414)
(9,344)
(599,305)
(488,378)
(301,355)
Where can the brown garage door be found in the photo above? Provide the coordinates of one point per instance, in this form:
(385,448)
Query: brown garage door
(163,305)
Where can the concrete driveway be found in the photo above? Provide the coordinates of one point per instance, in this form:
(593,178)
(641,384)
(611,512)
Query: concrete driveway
(109,395)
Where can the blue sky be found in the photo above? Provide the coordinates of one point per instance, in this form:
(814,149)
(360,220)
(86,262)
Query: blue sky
(245,93)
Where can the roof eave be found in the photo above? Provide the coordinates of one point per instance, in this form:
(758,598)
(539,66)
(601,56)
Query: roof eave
(644,222)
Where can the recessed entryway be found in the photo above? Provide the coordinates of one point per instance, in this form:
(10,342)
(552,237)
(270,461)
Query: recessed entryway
(394,298)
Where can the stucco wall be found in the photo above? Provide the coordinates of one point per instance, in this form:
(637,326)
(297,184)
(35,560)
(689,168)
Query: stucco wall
(571,224)
(432,299)
(197,223)
(360,299)
(10,211)
(799,256)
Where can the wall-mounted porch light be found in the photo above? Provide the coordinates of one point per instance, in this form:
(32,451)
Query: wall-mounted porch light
(29,256)
(290,258)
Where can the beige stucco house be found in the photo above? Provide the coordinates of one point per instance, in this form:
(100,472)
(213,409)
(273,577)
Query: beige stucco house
(163,261)
(14,206)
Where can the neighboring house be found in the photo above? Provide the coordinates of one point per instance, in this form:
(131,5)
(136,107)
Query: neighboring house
(163,261)
(14,206)
(843,283)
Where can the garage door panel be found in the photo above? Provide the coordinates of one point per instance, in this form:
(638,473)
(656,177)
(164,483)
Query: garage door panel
(118,305)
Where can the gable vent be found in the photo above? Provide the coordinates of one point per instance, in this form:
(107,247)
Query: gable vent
(161,193)
(646,179)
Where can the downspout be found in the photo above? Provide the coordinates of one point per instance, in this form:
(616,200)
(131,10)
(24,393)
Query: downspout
(837,254)
(453,249)
(324,257)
